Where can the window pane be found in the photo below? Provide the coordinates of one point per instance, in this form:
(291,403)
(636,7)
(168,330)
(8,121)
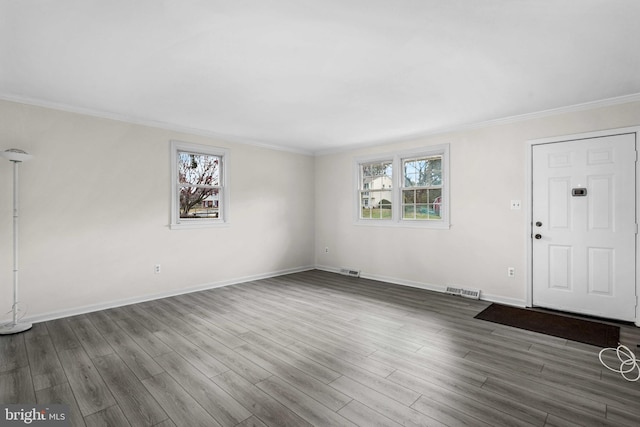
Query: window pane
(197,202)
(374,205)
(409,212)
(408,196)
(423,204)
(423,172)
(435,195)
(198,169)
(375,202)
(435,203)
(376,176)
(376,169)
(422,211)
(383,212)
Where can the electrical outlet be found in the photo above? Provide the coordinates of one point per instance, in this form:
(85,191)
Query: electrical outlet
(515,205)
(326,250)
(156,269)
(511,272)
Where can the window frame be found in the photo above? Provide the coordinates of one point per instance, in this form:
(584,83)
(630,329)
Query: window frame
(223,188)
(397,175)
(367,190)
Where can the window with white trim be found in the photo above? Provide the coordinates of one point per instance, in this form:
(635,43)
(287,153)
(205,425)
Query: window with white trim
(198,185)
(404,188)
(422,188)
(375,190)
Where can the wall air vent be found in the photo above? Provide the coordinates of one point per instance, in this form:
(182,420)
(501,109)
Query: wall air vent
(350,272)
(463,292)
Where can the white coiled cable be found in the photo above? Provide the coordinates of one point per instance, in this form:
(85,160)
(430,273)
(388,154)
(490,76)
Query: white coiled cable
(628,362)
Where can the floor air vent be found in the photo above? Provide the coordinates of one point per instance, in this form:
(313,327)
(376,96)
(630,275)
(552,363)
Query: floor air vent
(349,272)
(467,293)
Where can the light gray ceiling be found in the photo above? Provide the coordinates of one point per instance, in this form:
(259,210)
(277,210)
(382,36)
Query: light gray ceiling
(317,75)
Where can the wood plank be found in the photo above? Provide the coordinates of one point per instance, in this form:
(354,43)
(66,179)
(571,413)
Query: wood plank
(270,411)
(134,400)
(491,408)
(169,316)
(140,314)
(13,353)
(62,394)
(46,369)
(382,404)
(218,403)
(144,337)
(140,363)
(213,331)
(102,322)
(627,416)
(556,402)
(200,359)
(62,335)
(376,382)
(112,416)
(432,368)
(230,358)
(303,405)
(306,365)
(181,407)
(253,421)
(90,391)
(16,386)
(446,414)
(362,415)
(92,341)
(309,345)
(328,396)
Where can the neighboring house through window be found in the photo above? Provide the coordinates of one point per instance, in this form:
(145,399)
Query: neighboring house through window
(376,188)
(199,185)
(404,188)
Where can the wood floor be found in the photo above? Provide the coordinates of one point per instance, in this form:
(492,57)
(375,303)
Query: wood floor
(311,348)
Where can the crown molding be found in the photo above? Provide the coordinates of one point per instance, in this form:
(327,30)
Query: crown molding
(353,146)
(150,123)
(591,105)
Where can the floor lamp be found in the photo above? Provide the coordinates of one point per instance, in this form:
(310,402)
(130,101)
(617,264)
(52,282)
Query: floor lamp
(15,156)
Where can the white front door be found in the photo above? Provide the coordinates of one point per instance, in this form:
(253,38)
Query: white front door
(584,226)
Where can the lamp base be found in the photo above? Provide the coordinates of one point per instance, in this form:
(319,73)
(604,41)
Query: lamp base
(14,329)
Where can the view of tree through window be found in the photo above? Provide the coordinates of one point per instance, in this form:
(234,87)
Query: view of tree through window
(422,188)
(199,185)
(408,188)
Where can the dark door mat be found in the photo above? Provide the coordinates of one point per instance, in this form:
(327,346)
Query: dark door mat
(584,331)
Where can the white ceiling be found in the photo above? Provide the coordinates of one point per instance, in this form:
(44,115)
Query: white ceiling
(317,75)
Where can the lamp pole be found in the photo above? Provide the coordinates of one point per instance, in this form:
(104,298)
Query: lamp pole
(15,156)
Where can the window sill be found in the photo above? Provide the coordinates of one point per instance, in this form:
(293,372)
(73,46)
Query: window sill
(440,225)
(188,225)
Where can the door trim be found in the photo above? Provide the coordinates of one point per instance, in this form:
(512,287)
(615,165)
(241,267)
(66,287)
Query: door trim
(528,207)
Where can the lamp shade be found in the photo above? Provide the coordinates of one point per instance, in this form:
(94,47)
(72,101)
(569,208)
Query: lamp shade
(16,155)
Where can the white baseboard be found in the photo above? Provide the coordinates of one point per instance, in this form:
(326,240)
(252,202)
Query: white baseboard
(142,298)
(403,282)
(504,300)
(429,286)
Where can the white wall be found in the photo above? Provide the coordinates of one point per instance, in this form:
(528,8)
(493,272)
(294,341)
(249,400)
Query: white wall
(95,212)
(488,170)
